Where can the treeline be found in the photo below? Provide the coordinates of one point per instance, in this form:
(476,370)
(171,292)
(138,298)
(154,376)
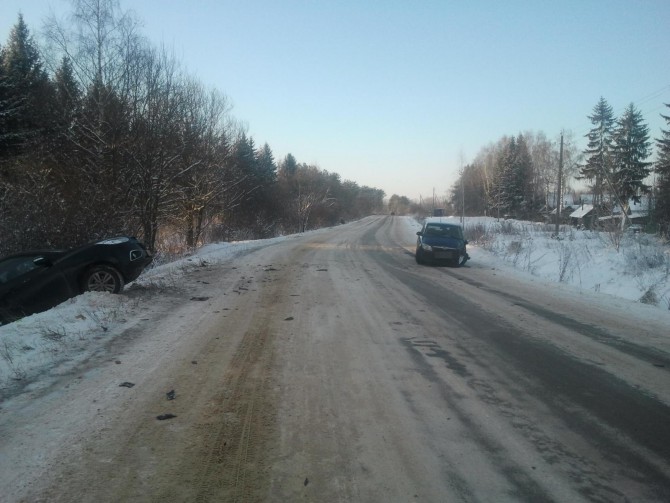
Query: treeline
(102,133)
(518,175)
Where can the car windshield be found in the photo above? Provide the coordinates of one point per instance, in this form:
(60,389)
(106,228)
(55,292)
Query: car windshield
(449,231)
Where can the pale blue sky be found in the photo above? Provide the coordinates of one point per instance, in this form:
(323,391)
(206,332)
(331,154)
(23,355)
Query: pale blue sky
(395,94)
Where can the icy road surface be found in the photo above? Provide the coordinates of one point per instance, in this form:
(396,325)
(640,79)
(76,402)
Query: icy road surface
(332,367)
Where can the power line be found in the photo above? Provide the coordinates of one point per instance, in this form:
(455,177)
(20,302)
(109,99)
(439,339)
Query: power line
(584,130)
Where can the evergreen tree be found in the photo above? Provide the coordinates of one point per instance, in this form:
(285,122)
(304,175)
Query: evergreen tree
(631,147)
(265,166)
(68,94)
(523,179)
(506,184)
(7,109)
(25,95)
(66,109)
(662,168)
(599,148)
(266,205)
(244,162)
(288,167)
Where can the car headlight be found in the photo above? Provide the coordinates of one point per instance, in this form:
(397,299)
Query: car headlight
(426,247)
(136,254)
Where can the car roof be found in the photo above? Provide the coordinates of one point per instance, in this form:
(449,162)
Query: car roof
(441,222)
(56,252)
(35,253)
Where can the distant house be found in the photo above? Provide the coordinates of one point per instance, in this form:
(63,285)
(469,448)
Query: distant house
(638,213)
(567,207)
(568,199)
(566,211)
(583,216)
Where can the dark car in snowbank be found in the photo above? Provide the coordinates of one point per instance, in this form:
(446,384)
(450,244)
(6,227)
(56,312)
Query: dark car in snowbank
(440,241)
(35,281)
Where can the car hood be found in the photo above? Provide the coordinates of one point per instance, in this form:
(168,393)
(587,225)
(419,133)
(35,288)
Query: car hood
(446,242)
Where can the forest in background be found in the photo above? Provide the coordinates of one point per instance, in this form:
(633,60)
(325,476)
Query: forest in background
(518,176)
(102,133)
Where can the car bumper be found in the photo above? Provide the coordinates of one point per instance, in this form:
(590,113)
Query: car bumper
(132,273)
(443,255)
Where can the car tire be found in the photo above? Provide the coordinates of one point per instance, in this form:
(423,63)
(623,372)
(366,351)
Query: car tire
(459,262)
(102,278)
(419,258)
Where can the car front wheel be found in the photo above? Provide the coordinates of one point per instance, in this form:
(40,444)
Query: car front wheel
(419,256)
(102,278)
(461,260)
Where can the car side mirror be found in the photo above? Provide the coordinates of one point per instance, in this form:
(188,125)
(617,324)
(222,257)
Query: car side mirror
(465,241)
(419,233)
(42,262)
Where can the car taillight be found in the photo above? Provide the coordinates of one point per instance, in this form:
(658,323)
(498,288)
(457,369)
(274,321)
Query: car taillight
(136,254)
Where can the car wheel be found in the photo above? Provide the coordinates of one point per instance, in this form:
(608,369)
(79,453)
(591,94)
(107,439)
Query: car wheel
(102,278)
(460,261)
(419,257)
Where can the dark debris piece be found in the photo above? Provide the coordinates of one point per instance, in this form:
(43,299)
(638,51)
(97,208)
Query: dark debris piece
(126,384)
(163,417)
(289,318)
(200,298)
(171,395)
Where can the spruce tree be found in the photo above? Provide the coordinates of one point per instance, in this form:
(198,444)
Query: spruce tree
(288,167)
(504,179)
(662,168)
(265,165)
(599,149)
(523,167)
(6,109)
(26,91)
(514,179)
(244,159)
(68,94)
(631,147)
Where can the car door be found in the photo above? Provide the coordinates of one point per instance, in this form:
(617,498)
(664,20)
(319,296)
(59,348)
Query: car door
(31,283)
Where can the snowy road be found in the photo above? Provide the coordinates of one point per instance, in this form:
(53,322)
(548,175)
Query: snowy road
(332,367)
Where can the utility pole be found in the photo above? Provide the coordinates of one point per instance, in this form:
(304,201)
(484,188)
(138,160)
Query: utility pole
(558,192)
(461,172)
(462,201)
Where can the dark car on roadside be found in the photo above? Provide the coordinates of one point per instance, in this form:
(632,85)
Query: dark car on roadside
(441,242)
(35,281)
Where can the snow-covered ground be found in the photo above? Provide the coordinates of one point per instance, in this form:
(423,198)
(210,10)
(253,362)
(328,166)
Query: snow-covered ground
(627,265)
(38,348)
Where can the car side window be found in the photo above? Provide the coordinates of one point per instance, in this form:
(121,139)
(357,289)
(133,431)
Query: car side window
(15,267)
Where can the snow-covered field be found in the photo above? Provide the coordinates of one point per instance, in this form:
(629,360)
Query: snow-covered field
(38,348)
(627,265)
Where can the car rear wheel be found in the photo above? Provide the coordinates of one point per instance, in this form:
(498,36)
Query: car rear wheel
(102,278)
